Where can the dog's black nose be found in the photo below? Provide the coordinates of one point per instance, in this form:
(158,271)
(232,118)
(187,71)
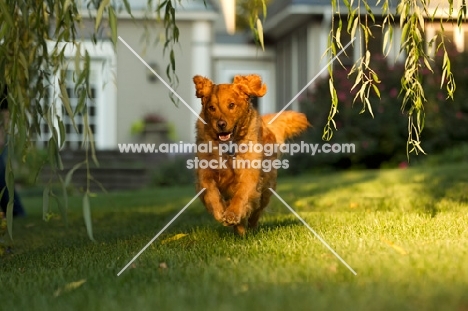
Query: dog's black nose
(221,124)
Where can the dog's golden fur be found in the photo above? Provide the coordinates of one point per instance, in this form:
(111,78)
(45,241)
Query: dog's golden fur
(236,197)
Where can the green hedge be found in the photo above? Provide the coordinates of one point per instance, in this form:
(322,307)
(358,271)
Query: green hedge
(381,141)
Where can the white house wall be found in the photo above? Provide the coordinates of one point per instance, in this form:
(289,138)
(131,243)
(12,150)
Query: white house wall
(299,59)
(137,96)
(201,45)
(317,45)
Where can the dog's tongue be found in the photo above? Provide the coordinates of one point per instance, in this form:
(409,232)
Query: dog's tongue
(224,137)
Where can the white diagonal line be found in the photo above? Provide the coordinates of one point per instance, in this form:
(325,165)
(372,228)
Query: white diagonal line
(312,230)
(159,233)
(311,81)
(161,79)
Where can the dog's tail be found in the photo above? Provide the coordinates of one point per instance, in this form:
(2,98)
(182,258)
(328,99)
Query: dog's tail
(288,124)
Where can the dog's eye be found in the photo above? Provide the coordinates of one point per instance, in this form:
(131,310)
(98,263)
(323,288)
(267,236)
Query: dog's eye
(231,106)
(212,108)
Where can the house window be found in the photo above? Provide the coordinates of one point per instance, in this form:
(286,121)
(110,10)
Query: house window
(74,137)
(101,101)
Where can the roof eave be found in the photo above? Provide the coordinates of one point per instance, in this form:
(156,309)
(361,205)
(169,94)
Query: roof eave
(292,15)
(142,15)
(284,16)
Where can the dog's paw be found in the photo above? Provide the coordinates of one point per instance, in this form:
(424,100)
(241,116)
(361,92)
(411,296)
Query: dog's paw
(218,216)
(231,219)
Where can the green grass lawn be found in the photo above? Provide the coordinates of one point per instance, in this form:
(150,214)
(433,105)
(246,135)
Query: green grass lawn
(403,231)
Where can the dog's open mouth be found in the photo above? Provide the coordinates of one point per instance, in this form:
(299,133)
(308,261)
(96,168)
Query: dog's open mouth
(224,136)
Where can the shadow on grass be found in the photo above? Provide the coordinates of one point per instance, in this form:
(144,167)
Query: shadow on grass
(427,190)
(439,188)
(271,224)
(114,219)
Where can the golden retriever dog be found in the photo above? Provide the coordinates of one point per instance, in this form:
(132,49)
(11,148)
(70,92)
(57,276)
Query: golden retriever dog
(236,194)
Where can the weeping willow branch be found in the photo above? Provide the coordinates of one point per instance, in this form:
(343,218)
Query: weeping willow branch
(33,62)
(412,15)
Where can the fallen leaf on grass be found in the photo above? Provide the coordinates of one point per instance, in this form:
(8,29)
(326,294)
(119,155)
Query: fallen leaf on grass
(69,287)
(303,202)
(399,249)
(333,268)
(241,289)
(174,238)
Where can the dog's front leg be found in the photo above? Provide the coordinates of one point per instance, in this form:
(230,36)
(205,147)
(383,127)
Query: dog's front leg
(246,198)
(212,200)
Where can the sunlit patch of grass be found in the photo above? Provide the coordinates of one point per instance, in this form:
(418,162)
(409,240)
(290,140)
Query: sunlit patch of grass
(403,231)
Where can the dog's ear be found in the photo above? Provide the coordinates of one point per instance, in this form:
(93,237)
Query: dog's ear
(251,85)
(203,86)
